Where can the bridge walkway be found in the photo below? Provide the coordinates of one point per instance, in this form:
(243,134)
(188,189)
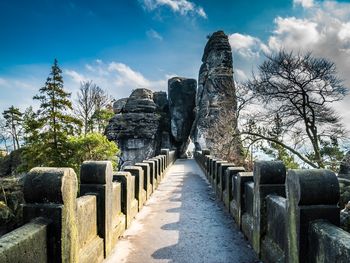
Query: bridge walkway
(182,222)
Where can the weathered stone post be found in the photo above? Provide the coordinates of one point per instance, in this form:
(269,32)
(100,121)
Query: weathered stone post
(157,169)
(129,203)
(212,168)
(220,178)
(140,192)
(269,178)
(227,196)
(216,174)
(153,173)
(166,153)
(147,178)
(96,178)
(237,205)
(311,195)
(51,193)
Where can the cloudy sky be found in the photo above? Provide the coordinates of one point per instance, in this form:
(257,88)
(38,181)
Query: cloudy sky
(126,44)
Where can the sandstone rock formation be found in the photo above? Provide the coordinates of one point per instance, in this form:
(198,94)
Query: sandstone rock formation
(119,105)
(137,127)
(345,165)
(182,94)
(216,100)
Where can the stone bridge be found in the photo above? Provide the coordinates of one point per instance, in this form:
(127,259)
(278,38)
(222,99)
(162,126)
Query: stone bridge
(164,208)
(185,210)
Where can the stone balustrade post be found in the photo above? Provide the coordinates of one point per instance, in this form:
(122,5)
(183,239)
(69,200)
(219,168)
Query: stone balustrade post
(51,193)
(129,203)
(237,205)
(140,192)
(147,178)
(311,195)
(221,179)
(153,173)
(227,194)
(166,153)
(269,178)
(96,178)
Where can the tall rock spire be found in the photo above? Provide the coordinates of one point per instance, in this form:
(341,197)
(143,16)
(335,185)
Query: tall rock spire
(216,103)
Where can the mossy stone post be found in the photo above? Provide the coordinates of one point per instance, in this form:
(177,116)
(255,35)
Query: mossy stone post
(96,178)
(311,195)
(164,161)
(166,153)
(237,205)
(157,169)
(212,168)
(153,173)
(269,178)
(220,178)
(216,174)
(147,178)
(129,203)
(207,165)
(51,193)
(227,196)
(140,192)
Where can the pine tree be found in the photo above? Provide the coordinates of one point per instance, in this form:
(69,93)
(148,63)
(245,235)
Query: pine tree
(53,118)
(13,123)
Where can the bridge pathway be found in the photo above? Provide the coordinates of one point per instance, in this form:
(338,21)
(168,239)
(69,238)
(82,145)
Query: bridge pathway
(182,222)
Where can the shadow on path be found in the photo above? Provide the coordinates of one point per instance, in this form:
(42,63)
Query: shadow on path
(206,232)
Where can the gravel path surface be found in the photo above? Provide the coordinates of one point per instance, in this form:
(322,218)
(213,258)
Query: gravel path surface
(182,222)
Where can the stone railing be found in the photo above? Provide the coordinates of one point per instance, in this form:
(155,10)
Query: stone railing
(288,216)
(62,227)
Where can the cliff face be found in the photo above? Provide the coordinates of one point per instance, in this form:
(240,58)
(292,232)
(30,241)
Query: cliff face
(182,95)
(137,126)
(216,96)
(148,121)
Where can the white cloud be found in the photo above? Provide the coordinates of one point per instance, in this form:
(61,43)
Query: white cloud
(117,78)
(240,75)
(154,34)
(125,75)
(76,77)
(182,7)
(247,45)
(294,33)
(304,3)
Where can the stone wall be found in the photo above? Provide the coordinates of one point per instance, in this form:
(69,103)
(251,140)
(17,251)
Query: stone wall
(64,227)
(288,216)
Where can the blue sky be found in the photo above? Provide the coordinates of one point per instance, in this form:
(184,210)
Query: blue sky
(123,45)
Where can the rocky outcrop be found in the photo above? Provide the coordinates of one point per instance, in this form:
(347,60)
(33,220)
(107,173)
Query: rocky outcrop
(137,127)
(344,181)
(216,100)
(345,218)
(345,164)
(182,94)
(119,105)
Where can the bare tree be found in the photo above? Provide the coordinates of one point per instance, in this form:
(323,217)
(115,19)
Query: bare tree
(85,105)
(91,105)
(300,89)
(102,102)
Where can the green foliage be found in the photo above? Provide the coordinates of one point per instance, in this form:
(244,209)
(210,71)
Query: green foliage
(101,118)
(52,123)
(277,151)
(92,146)
(13,122)
(331,153)
(50,133)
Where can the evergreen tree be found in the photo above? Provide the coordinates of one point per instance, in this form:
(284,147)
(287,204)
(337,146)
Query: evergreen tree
(13,123)
(53,119)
